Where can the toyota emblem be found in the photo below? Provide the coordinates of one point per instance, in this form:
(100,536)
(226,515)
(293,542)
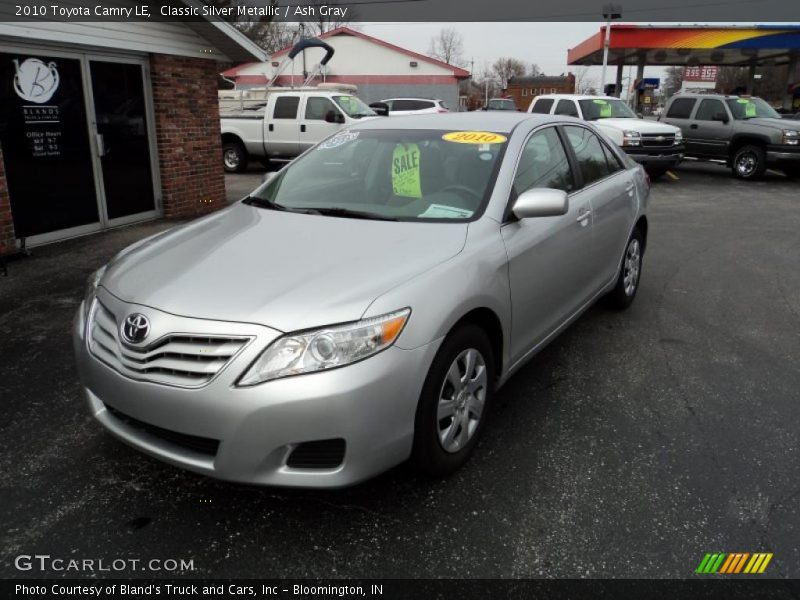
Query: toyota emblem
(135,328)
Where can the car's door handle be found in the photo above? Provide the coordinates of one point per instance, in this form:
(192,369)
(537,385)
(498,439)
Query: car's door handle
(302,128)
(630,189)
(271,127)
(693,126)
(583,214)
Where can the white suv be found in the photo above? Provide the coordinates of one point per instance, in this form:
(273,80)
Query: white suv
(415,106)
(656,147)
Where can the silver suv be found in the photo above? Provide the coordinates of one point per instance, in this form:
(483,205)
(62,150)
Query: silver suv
(744,132)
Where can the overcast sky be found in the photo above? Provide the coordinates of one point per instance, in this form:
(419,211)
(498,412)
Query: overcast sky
(545,44)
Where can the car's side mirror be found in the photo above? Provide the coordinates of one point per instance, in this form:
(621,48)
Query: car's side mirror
(333,116)
(381,108)
(540,202)
(721,117)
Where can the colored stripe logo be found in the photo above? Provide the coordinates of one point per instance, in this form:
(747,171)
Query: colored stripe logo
(734,563)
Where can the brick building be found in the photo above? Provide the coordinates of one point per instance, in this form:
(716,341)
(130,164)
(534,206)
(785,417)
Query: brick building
(105,124)
(524,89)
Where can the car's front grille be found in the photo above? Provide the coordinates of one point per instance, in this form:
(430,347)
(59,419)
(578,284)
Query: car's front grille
(658,140)
(322,454)
(186,360)
(194,443)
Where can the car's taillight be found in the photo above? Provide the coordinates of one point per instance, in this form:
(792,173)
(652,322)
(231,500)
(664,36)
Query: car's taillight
(442,110)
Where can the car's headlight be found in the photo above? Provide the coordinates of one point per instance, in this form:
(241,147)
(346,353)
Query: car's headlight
(791,137)
(678,137)
(326,348)
(631,138)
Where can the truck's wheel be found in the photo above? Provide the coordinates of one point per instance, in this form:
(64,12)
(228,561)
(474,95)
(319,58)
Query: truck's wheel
(234,157)
(749,162)
(656,172)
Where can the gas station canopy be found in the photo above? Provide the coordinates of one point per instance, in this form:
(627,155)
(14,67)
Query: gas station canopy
(690,45)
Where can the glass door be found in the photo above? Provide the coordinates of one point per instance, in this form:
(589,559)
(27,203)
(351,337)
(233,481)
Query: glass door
(46,145)
(122,140)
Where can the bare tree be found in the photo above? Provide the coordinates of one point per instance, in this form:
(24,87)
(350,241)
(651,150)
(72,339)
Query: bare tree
(447,46)
(534,70)
(505,68)
(584,83)
(673,80)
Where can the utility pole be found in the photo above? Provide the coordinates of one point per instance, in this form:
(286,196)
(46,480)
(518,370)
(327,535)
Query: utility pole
(302,36)
(610,12)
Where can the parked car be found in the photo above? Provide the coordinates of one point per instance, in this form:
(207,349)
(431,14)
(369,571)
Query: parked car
(658,147)
(415,106)
(285,123)
(362,306)
(501,104)
(743,132)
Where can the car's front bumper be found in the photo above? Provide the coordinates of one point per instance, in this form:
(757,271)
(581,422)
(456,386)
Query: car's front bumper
(370,405)
(665,157)
(783,155)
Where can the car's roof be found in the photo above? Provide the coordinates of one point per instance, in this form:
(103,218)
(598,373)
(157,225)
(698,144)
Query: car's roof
(409,98)
(459,121)
(693,95)
(575,97)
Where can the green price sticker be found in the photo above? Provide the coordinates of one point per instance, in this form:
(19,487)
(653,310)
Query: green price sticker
(405,171)
(750,110)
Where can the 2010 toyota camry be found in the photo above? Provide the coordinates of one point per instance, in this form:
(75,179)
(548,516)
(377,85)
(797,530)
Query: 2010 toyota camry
(362,306)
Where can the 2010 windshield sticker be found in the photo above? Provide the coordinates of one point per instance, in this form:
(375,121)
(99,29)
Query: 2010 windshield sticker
(474,137)
(405,171)
(339,139)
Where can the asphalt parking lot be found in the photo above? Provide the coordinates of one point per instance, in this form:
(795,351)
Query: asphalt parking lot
(630,447)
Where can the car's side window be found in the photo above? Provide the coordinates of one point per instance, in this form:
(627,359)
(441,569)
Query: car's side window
(318,107)
(708,108)
(286,107)
(681,108)
(614,163)
(589,152)
(566,108)
(542,106)
(543,164)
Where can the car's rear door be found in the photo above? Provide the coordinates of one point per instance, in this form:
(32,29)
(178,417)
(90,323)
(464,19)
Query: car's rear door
(549,257)
(612,190)
(282,136)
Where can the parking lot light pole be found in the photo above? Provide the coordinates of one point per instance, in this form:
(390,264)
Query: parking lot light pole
(610,12)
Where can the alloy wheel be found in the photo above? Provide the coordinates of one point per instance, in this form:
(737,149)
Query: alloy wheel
(633,264)
(231,158)
(461,400)
(746,164)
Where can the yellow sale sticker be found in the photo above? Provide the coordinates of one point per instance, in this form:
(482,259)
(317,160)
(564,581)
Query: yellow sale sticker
(405,171)
(474,137)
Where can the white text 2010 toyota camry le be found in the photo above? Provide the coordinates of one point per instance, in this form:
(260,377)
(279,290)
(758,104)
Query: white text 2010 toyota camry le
(362,306)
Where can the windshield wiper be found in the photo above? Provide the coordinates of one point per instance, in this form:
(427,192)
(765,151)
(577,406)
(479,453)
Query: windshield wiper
(349,213)
(265,203)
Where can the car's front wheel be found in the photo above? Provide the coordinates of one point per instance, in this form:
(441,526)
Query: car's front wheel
(234,157)
(749,162)
(454,401)
(630,272)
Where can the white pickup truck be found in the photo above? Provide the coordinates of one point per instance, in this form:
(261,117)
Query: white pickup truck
(656,147)
(281,123)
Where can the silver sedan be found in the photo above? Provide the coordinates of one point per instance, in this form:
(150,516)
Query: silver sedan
(362,307)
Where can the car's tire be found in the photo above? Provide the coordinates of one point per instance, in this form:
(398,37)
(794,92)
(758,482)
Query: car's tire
(656,172)
(630,273)
(234,157)
(454,402)
(749,162)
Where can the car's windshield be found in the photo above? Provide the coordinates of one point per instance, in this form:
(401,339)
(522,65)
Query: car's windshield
(605,108)
(416,175)
(502,104)
(750,108)
(354,107)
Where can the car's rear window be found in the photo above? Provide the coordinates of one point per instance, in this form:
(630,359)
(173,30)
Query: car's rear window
(418,175)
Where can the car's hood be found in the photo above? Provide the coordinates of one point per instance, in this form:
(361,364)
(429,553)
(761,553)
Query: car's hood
(640,125)
(776,123)
(285,270)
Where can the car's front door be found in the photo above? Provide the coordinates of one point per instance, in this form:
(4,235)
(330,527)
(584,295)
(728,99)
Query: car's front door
(313,125)
(710,129)
(549,257)
(613,193)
